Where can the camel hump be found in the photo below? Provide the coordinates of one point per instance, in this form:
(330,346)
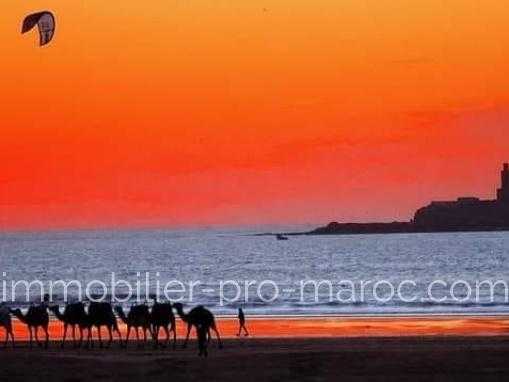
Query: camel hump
(139,309)
(77,307)
(100,308)
(143,310)
(161,308)
(203,310)
(199,309)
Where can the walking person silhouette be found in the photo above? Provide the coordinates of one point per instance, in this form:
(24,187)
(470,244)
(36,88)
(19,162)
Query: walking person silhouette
(242,323)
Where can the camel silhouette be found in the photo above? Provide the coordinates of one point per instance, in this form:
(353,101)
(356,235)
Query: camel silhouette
(36,317)
(199,317)
(6,323)
(74,315)
(101,314)
(138,317)
(162,316)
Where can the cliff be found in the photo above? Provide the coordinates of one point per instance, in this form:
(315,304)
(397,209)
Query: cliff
(463,214)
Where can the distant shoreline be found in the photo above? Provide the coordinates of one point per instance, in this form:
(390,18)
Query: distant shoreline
(377,229)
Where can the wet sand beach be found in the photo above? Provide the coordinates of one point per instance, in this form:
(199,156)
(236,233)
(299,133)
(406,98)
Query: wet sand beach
(288,349)
(333,326)
(289,359)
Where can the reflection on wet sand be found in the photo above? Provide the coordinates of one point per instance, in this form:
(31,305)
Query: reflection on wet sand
(309,327)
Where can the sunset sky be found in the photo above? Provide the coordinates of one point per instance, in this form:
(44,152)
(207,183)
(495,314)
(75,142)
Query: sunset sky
(190,113)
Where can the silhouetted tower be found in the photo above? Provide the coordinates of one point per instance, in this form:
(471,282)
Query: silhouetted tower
(503,191)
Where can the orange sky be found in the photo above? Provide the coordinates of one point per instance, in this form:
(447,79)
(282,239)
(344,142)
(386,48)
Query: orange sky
(202,112)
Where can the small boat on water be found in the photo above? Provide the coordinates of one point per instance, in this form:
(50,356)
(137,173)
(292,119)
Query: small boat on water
(280,236)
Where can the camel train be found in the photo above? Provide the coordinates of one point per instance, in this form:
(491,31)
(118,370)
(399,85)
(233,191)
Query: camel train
(101,314)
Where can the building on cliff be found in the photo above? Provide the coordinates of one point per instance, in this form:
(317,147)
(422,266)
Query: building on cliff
(467,213)
(463,214)
(503,191)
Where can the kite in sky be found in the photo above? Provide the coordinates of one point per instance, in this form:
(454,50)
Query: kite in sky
(45,22)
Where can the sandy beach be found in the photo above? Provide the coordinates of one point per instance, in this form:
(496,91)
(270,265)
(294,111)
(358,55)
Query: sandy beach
(326,359)
(333,326)
(288,349)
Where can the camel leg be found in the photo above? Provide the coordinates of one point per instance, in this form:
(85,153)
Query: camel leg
(219,342)
(110,333)
(63,337)
(37,336)
(89,337)
(187,336)
(80,343)
(12,337)
(115,327)
(128,334)
(46,343)
(99,335)
(151,329)
(137,337)
(8,333)
(74,336)
(31,336)
(155,336)
(174,330)
(167,332)
(144,336)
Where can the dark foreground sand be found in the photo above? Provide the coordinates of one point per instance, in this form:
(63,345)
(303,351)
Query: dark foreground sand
(331,359)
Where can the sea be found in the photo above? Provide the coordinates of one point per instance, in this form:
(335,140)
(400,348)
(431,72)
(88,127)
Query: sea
(365,275)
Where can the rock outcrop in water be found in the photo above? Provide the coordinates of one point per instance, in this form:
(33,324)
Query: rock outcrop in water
(463,214)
